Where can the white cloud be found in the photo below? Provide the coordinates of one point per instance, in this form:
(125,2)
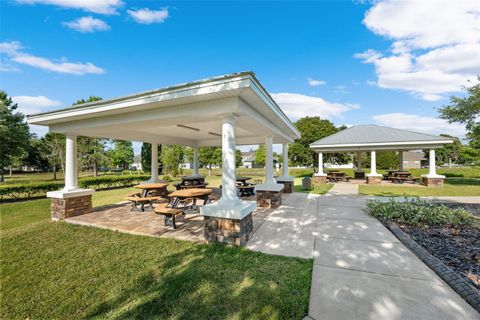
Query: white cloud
(431,54)
(147,16)
(419,123)
(96,6)
(297,106)
(87,24)
(315,83)
(35,104)
(12,50)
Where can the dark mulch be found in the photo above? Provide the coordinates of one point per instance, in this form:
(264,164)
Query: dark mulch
(455,246)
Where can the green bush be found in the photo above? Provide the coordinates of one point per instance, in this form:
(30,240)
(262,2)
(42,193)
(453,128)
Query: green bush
(28,190)
(301,173)
(419,212)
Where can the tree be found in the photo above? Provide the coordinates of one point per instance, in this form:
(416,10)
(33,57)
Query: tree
(91,150)
(260,155)
(172,156)
(53,149)
(387,160)
(122,153)
(465,111)
(448,153)
(146,157)
(209,156)
(238,158)
(312,129)
(34,156)
(14,133)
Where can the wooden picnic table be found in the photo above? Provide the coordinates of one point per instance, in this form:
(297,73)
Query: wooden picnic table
(192,193)
(191,182)
(400,176)
(243,180)
(335,176)
(160,188)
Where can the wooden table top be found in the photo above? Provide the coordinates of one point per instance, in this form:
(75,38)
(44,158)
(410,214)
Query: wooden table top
(191,178)
(193,192)
(243,178)
(151,186)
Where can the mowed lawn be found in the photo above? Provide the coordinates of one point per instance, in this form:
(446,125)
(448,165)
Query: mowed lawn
(452,187)
(59,271)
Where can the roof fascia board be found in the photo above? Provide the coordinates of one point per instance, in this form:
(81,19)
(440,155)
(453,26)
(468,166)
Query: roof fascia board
(380,144)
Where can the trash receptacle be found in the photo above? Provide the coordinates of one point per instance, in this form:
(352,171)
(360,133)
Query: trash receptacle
(307,183)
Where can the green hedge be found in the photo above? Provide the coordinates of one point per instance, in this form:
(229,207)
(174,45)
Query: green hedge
(419,212)
(35,189)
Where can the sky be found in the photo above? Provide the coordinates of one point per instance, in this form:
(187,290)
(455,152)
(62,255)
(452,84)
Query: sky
(380,62)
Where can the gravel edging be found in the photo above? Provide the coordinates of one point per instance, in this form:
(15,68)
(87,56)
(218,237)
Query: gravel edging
(458,283)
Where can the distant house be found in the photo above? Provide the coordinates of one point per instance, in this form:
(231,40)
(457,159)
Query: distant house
(413,159)
(248,159)
(137,163)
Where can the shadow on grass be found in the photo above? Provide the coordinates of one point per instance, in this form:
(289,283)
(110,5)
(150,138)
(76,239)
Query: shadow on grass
(182,286)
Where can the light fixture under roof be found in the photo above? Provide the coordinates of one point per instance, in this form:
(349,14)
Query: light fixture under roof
(214,134)
(187,127)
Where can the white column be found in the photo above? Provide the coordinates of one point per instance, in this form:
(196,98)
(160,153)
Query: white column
(432,170)
(71,174)
(229,176)
(373,163)
(359,161)
(154,163)
(285,161)
(320,165)
(400,160)
(195,162)
(269,160)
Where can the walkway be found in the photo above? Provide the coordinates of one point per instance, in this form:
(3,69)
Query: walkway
(360,271)
(344,188)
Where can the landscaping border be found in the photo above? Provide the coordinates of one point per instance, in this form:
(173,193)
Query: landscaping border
(466,290)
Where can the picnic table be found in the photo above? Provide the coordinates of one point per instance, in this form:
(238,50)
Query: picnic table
(243,180)
(150,193)
(172,209)
(191,182)
(400,176)
(335,176)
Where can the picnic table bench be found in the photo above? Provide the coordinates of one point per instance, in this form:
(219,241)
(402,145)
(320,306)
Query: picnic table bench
(150,193)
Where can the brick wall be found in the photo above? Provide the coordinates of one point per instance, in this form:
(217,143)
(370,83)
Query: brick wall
(269,199)
(228,231)
(65,208)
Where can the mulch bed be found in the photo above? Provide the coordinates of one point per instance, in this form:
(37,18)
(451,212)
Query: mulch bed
(455,247)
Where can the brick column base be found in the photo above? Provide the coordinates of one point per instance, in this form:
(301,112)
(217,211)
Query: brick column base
(433,182)
(62,209)
(287,185)
(269,199)
(374,179)
(229,231)
(319,179)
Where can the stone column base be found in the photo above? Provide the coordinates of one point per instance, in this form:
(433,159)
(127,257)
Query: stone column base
(287,185)
(229,231)
(62,209)
(269,199)
(433,182)
(66,204)
(374,179)
(319,179)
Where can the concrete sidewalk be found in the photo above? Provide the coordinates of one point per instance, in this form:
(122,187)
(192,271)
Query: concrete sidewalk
(361,271)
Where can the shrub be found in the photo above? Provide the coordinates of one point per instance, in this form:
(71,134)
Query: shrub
(27,190)
(419,212)
(167,179)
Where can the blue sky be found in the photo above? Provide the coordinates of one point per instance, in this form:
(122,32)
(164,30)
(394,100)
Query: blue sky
(351,62)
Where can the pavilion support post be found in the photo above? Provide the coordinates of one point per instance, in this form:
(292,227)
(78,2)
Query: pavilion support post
(400,161)
(195,162)
(373,177)
(154,164)
(285,179)
(71,200)
(228,220)
(320,177)
(432,179)
(359,173)
(269,194)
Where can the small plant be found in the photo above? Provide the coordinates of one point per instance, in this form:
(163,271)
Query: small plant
(419,212)
(167,178)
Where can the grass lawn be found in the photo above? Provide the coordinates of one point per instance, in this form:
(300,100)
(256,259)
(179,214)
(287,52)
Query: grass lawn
(452,187)
(57,270)
(317,189)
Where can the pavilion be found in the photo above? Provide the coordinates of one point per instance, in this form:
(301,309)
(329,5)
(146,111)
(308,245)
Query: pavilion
(373,138)
(225,111)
